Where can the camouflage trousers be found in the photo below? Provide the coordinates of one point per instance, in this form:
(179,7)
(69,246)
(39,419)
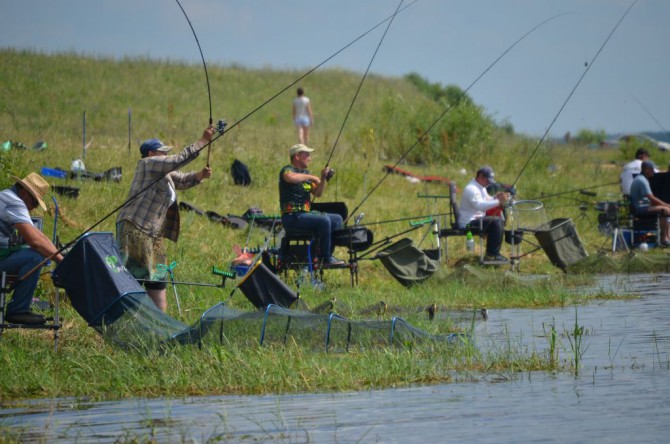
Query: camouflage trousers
(141,253)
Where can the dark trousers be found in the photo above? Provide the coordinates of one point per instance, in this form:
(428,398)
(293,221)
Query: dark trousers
(492,227)
(322,224)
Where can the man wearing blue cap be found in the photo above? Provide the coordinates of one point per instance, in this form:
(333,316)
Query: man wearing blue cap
(475,204)
(151,212)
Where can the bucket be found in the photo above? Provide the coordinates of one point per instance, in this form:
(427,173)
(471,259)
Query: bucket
(241,270)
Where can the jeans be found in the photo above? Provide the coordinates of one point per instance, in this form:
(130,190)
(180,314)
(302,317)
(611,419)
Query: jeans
(492,227)
(322,224)
(18,264)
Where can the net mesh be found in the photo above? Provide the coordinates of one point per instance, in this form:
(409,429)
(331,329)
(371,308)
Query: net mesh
(144,327)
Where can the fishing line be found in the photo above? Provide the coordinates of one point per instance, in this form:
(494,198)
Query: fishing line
(586,70)
(209,92)
(430,127)
(361,83)
(649,114)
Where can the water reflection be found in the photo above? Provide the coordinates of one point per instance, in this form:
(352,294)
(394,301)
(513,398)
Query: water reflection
(621,395)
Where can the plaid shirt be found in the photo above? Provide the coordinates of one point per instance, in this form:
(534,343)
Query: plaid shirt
(151,211)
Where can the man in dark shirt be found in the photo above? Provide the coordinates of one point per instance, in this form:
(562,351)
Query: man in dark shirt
(296,187)
(645,202)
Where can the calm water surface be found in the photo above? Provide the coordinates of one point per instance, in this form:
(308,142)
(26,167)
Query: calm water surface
(622,393)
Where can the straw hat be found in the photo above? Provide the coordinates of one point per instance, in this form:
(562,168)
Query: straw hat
(36,186)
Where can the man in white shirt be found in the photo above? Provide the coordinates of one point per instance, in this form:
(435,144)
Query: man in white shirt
(477,206)
(632,169)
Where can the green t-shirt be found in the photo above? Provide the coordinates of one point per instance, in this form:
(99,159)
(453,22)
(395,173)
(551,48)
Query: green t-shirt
(294,197)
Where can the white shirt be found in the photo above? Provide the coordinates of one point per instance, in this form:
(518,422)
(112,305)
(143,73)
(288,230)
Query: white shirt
(12,211)
(474,203)
(300,104)
(628,173)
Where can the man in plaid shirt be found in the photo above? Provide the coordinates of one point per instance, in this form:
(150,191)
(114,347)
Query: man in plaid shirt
(151,212)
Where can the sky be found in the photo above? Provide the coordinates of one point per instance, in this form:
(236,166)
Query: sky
(624,88)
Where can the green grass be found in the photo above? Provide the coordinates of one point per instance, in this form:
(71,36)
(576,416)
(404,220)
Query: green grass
(44,98)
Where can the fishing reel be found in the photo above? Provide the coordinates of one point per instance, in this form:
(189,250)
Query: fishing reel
(498,187)
(330,174)
(221,126)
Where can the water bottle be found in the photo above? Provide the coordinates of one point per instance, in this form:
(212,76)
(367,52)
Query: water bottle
(470,242)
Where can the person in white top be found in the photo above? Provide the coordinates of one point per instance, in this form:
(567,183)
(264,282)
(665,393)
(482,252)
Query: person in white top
(303,118)
(632,169)
(477,206)
(23,247)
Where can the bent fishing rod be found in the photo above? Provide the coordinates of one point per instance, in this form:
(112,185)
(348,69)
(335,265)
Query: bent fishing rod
(351,105)
(579,81)
(204,65)
(221,129)
(449,108)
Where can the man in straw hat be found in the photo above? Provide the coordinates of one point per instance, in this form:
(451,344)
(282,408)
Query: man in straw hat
(22,246)
(296,185)
(152,214)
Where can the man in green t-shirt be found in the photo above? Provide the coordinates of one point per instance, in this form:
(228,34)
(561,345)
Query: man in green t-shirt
(296,187)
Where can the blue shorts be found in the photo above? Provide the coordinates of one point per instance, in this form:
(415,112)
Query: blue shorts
(302,121)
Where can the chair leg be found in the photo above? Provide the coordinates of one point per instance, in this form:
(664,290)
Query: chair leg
(3,291)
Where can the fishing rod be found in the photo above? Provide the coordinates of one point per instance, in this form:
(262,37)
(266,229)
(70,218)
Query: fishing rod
(360,85)
(209,92)
(578,190)
(660,125)
(221,129)
(450,107)
(586,70)
(404,219)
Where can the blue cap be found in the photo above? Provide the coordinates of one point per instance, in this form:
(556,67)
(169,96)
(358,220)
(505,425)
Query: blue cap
(488,174)
(153,145)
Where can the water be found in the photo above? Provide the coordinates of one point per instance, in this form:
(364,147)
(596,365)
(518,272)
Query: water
(620,395)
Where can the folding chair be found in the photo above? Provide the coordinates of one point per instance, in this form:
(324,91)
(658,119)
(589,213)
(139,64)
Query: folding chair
(298,248)
(646,228)
(455,231)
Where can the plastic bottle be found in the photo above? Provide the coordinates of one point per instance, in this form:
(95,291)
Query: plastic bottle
(470,242)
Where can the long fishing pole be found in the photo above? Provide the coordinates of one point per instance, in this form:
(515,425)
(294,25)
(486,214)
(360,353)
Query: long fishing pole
(430,127)
(405,219)
(361,83)
(586,70)
(221,128)
(578,190)
(209,92)
(130,199)
(660,125)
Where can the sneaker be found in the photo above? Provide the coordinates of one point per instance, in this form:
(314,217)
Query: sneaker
(498,258)
(332,261)
(25,317)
